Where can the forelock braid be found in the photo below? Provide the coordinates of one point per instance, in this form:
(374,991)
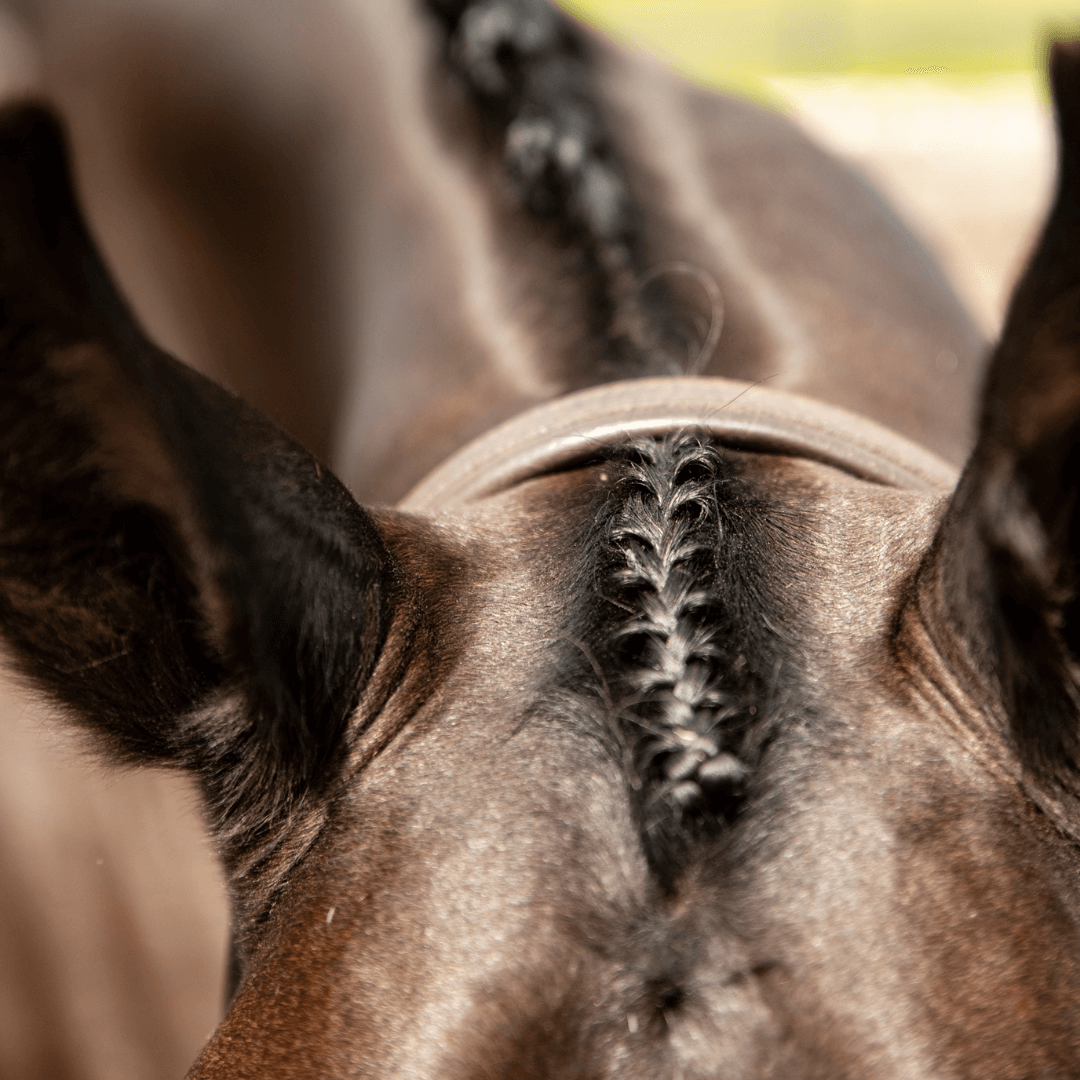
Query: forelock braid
(684,690)
(530,72)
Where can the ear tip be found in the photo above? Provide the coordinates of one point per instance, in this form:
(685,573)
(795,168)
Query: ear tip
(26,115)
(1070,50)
(1064,62)
(34,169)
(30,131)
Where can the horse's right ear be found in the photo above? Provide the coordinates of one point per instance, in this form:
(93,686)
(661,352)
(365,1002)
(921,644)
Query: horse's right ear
(1006,562)
(183,578)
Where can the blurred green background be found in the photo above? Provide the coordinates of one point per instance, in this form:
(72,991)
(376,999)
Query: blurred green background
(734,45)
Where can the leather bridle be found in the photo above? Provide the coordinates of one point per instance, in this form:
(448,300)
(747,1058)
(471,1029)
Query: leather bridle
(744,416)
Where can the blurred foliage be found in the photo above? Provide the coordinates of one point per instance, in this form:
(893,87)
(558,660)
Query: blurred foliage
(736,44)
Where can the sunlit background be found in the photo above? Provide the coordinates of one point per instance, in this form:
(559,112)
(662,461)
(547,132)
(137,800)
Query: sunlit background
(942,104)
(727,43)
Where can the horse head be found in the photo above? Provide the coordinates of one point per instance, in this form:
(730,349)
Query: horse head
(707,733)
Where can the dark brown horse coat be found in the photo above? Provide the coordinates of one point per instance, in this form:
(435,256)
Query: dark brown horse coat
(697,750)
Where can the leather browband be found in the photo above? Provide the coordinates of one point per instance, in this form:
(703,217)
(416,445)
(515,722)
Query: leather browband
(736,414)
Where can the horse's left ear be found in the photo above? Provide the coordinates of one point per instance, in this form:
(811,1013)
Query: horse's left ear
(1006,562)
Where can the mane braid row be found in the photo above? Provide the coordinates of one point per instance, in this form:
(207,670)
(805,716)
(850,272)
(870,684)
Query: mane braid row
(663,539)
(529,72)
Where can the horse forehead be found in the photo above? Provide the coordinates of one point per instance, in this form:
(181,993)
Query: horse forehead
(488,852)
(825,560)
(828,588)
(859,546)
(845,546)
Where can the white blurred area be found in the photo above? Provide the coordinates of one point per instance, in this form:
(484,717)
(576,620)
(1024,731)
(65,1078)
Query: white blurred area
(968,162)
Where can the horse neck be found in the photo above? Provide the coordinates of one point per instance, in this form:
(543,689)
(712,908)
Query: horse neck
(385,298)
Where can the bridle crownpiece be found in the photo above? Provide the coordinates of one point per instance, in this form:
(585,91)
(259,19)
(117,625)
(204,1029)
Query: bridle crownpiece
(745,416)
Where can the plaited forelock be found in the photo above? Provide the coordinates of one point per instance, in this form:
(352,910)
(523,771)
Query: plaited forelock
(662,541)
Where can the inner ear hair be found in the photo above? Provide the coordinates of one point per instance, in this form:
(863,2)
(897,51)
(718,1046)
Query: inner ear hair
(133,461)
(1004,563)
(176,572)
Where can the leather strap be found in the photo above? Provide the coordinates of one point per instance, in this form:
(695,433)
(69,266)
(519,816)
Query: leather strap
(737,414)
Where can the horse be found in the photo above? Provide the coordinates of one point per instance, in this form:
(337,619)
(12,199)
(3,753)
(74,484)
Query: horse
(670,679)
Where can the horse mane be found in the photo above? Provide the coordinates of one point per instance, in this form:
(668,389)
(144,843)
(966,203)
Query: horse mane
(532,76)
(659,666)
(662,540)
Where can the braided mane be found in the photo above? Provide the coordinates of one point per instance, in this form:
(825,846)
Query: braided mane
(530,73)
(663,541)
(669,637)
(529,70)
(661,639)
